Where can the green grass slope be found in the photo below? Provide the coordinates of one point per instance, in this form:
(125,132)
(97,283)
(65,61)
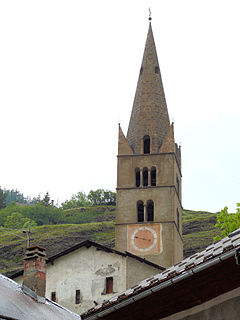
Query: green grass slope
(96,224)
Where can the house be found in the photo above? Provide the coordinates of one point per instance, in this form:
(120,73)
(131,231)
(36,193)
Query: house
(205,286)
(89,273)
(27,301)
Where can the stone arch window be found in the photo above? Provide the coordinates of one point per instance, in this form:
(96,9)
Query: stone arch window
(137,177)
(146,144)
(150,210)
(177,185)
(145,176)
(178,220)
(153,176)
(140,211)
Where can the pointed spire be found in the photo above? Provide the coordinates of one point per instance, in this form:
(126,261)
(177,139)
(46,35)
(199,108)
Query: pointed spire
(149,113)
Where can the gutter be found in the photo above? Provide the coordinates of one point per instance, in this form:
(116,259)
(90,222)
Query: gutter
(163,285)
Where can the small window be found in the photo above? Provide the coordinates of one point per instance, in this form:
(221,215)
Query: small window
(177,185)
(140,211)
(53,296)
(77,297)
(137,177)
(145,177)
(109,285)
(146,144)
(141,70)
(178,223)
(153,176)
(156,69)
(150,210)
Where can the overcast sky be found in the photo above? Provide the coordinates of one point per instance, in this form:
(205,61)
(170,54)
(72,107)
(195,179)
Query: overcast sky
(68,74)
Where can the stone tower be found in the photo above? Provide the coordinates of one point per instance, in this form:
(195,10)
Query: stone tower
(149,209)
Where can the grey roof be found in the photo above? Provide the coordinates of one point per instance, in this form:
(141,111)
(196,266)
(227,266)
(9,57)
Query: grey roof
(16,304)
(214,253)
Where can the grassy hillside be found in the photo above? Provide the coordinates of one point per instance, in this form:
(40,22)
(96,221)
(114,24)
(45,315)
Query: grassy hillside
(97,224)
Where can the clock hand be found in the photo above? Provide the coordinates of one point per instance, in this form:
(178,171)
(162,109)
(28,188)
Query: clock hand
(142,238)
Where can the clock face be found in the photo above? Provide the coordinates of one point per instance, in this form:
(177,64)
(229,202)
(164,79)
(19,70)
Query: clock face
(144,239)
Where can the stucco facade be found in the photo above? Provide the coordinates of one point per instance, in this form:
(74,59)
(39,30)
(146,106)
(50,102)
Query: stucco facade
(84,272)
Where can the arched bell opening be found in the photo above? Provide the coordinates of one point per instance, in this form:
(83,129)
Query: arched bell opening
(137,177)
(145,177)
(140,211)
(150,210)
(153,177)
(146,144)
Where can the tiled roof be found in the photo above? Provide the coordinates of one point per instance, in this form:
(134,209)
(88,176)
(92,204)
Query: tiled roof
(199,261)
(16,304)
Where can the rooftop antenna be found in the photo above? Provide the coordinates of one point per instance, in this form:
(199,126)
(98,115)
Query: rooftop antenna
(150,14)
(28,235)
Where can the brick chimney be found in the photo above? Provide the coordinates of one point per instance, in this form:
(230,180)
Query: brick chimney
(34,276)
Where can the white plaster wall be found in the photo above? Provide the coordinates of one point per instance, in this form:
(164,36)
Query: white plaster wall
(85,270)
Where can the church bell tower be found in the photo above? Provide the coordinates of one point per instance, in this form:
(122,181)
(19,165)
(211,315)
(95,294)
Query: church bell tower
(149,208)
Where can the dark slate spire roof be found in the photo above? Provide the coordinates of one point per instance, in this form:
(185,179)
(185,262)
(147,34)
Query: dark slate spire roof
(149,113)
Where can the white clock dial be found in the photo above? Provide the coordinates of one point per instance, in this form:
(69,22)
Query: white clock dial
(144,239)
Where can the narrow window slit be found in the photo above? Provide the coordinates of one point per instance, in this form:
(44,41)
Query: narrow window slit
(77,297)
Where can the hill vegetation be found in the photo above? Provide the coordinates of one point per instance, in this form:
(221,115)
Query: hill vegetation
(97,224)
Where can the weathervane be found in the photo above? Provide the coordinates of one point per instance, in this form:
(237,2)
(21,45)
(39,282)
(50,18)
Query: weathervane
(28,235)
(150,14)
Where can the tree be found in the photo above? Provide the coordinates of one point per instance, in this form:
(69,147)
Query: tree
(14,196)
(2,199)
(35,200)
(38,212)
(77,200)
(227,222)
(46,200)
(96,197)
(102,197)
(17,221)
(109,197)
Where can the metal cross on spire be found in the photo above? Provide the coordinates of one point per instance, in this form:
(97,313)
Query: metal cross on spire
(28,235)
(150,14)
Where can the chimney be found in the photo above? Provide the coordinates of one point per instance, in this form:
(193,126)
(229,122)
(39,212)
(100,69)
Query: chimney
(34,276)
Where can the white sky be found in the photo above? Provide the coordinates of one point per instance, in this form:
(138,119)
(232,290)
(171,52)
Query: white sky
(68,74)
